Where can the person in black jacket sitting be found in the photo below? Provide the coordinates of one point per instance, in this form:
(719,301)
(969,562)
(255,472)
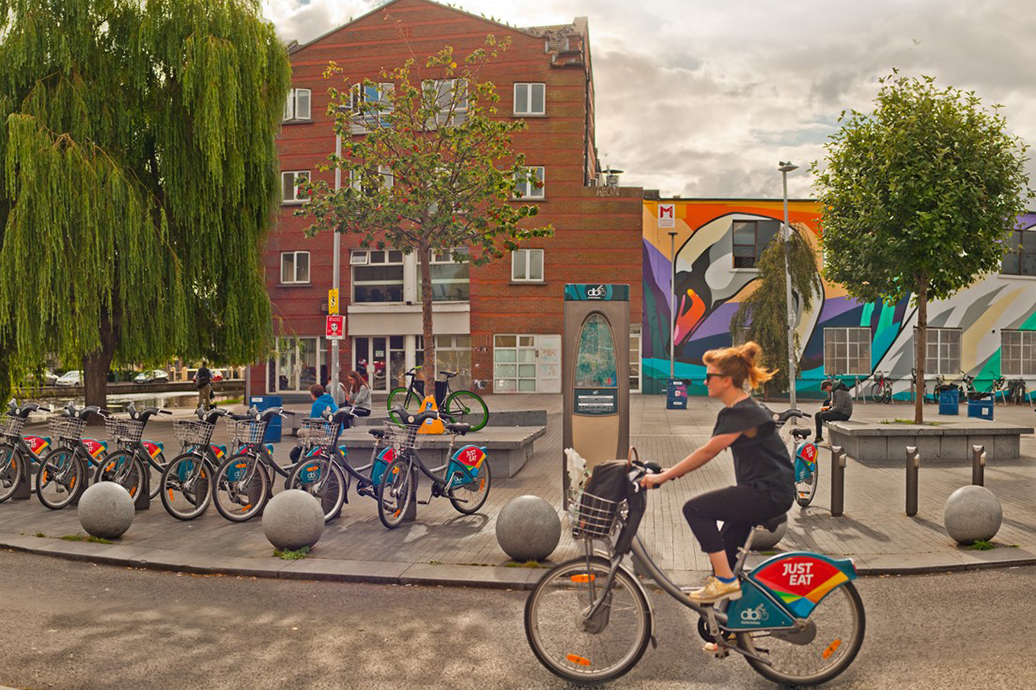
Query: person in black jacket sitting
(837,408)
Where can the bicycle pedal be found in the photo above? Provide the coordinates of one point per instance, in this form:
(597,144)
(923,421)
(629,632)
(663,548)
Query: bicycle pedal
(424,503)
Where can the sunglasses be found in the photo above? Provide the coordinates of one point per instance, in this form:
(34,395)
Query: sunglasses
(709,375)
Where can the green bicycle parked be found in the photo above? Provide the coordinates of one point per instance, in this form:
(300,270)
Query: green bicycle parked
(460,406)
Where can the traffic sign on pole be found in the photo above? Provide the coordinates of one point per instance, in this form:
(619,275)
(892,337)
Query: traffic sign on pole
(332,301)
(335,327)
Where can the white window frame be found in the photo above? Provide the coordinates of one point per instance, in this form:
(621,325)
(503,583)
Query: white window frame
(299,176)
(444,99)
(526,190)
(362,122)
(387,178)
(937,366)
(376,257)
(843,366)
(528,88)
(524,342)
(295,268)
(292,111)
(447,258)
(1022,366)
(522,258)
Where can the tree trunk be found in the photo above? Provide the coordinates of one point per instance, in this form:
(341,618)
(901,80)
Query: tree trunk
(424,255)
(921,348)
(96,366)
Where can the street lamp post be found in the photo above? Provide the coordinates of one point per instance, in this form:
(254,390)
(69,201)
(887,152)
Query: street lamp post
(672,307)
(337,268)
(785,168)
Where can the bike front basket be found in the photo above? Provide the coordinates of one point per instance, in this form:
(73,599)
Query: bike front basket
(592,517)
(246,431)
(67,428)
(11,425)
(192,432)
(318,432)
(401,437)
(124,430)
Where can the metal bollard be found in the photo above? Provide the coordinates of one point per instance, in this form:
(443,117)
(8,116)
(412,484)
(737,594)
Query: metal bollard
(837,481)
(978,465)
(913,464)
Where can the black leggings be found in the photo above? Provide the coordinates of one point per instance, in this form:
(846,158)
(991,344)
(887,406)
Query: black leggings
(739,508)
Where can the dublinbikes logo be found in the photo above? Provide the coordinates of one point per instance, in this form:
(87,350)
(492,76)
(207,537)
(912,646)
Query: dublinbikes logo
(757,615)
(596,292)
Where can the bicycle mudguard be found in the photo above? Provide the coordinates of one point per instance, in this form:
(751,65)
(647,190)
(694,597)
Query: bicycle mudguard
(95,447)
(755,610)
(153,448)
(384,459)
(344,451)
(464,465)
(800,580)
(37,444)
(218,450)
(269,448)
(805,461)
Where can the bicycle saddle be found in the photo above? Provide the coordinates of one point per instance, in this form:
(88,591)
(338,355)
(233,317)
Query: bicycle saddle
(458,428)
(376,433)
(772,524)
(448,374)
(801,433)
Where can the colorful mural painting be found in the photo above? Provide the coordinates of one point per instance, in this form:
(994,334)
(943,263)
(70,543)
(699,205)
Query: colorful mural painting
(712,278)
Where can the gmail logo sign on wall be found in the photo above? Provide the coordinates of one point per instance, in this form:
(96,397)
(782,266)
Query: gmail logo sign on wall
(667,215)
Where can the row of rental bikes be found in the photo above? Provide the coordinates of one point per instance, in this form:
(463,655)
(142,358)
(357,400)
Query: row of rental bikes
(237,477)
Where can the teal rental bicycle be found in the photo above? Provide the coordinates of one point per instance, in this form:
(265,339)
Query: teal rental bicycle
(799,619)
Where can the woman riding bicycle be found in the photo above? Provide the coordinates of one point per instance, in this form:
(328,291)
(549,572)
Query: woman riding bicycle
(765,477)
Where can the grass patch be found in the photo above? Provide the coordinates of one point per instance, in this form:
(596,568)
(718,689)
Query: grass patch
(73,537)
(291,555)
(910,421)
(81,537)
(434,562)
(526,564)
(41,535)
(230,401)
(981,545)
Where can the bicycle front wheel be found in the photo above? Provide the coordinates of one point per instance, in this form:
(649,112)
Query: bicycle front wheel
(468,408)
(10,471)
(877,393)
(186,486)
(814,655)
(323,480)
(156,468)
(394,493)
(60,478)
(886,394)
(241,487)
(806,488)
(123,468)
(580,649)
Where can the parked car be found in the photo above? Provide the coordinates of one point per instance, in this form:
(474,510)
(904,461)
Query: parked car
(70,378)
(152,376)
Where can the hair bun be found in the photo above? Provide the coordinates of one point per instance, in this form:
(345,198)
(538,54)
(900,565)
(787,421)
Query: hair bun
(749,351)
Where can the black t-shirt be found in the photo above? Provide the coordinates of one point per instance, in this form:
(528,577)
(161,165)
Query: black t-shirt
(760,457)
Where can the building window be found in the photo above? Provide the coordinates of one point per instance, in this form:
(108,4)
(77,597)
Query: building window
(847,351)
(452,353)
(295,363)
(290,182)
(1018,353)
(530,99)
(943,352)
(530,183)
(368,105)
(450,279)
(377,276)
(514,363)
(358,182)
(750,239)
(451,99)
(294,267)
(527,265)
(1020,257)
(635,357)
(297,106)
(381,361)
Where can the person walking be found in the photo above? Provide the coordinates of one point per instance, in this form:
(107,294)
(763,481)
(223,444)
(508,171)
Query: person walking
(359,393)
(203,380)
(837,408)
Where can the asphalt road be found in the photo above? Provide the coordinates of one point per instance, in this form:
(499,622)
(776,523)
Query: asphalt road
(82,626)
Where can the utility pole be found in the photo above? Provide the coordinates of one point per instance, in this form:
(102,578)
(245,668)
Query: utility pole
(785,168)
(672,307)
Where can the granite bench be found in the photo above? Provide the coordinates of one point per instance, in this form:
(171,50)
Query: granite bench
(945,441)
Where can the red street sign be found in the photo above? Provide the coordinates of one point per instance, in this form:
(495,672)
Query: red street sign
(335,326)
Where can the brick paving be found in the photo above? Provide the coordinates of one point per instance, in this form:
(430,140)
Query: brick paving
(874,529)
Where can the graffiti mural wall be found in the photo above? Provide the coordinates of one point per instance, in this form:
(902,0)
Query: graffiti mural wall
(714,246)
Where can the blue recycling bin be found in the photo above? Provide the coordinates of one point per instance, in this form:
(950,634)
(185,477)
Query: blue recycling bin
(980,409)
(265,402)
(949,402)
(676,395)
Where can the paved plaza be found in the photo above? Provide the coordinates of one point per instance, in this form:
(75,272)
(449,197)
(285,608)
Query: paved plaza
(444,545)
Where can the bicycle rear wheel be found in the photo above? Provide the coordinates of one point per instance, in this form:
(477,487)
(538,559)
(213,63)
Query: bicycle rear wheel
(10,471)
(394,493)
(821,651)
(60,478)
(399,398)
(468,498)
(123,468)
(241,487)
(876,392)
(584,650)
(886,394)
(323,480)
(467,408)
(186,486)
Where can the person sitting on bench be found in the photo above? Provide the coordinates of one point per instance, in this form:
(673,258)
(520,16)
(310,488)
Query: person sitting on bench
(837,408)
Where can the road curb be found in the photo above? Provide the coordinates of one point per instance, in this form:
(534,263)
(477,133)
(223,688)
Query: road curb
(421,574)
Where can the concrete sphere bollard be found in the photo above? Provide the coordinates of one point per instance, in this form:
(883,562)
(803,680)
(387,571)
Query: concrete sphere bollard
(293,519)
(106,510)
(528,529)
(764,540)
(972,513)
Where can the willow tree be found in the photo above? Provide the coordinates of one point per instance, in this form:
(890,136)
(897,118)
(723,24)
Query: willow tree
(426,167)
(139,176)
(918,197)
(763,315)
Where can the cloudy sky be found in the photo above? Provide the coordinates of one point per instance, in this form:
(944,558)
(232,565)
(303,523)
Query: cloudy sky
(700,98)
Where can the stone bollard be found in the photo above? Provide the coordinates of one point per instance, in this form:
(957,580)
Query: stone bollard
(764,539)
(978,465)
(293,519)
(972,513)
(837,481)
(528,529)
(105,510)
(913,465)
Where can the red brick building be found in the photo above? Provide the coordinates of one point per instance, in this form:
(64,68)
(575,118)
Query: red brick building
(499,325)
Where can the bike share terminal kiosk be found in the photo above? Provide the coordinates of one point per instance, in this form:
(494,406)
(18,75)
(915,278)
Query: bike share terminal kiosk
(595,373)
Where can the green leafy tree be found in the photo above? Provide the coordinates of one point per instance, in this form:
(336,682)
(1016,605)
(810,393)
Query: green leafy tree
(139,175)
(426,166)
(763,315)
(917,197)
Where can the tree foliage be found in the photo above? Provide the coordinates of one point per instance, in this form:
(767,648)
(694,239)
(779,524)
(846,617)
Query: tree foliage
(917,197)
(453,171)
(763,315)
(139,173)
